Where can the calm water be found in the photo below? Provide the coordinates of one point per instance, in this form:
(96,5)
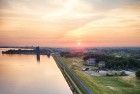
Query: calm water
(24,74)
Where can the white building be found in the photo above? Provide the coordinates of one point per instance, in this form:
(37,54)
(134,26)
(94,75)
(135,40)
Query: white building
(91,62)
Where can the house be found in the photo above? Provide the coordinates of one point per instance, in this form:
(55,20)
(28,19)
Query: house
(91,62)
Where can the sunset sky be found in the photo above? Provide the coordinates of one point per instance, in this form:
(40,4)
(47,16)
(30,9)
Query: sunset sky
(68,23)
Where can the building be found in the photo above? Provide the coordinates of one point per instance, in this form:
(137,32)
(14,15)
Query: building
(91,62)
(37,50)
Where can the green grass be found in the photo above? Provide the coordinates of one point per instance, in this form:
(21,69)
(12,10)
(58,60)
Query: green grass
(110,85)
(104,84)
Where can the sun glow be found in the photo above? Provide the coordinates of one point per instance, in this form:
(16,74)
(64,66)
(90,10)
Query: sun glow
(79,43)
(70,23)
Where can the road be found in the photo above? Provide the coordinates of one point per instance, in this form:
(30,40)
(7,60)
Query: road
(80,86)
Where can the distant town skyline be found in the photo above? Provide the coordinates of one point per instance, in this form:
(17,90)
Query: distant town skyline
(70,23)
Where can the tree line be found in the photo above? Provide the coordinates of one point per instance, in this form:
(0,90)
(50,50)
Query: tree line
(112,62)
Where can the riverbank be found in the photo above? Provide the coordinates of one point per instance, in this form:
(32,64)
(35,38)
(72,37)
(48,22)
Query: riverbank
(35,51)
(75,83)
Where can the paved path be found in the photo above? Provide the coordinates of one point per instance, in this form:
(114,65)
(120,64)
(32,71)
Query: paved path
(74,77)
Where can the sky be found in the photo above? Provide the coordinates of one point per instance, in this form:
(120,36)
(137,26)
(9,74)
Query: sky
(70,23)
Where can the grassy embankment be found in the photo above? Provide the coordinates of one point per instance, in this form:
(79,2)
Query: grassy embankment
(72,81)
(104,85)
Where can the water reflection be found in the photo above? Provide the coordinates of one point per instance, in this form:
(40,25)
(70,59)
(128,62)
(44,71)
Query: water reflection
(38,58)
(19,74)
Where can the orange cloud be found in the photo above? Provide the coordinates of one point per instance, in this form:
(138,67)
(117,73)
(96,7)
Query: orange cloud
(67,22)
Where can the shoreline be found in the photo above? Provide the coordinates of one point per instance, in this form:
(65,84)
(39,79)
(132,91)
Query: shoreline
(76,85)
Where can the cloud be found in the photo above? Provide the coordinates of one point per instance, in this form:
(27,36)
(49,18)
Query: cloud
(3,3)
(111,4)
(61,21)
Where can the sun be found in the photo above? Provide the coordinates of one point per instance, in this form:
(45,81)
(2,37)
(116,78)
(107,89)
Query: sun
(79,43)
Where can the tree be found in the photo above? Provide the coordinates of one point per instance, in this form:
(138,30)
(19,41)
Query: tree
(138,73)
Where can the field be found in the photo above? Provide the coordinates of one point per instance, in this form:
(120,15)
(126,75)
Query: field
(104,84)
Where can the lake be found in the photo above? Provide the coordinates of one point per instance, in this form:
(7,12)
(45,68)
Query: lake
(27,74)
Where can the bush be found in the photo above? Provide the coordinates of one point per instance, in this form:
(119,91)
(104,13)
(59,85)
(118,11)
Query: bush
(138,74)
(108,74)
